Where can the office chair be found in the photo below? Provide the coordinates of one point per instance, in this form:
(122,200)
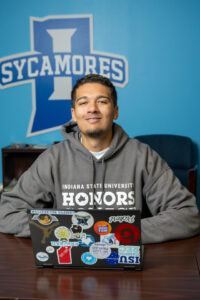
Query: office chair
(180,154)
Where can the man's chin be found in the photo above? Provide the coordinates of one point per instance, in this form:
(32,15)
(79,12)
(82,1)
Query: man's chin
(94,133)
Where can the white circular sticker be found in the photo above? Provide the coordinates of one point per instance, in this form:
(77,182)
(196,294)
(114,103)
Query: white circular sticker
(50,249)
(42,256)
(100,250)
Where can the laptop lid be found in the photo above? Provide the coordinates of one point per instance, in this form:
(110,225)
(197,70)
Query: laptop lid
(108,239)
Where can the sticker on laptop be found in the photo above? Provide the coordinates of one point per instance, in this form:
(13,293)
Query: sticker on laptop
(122,219)
(62,233)
(127,234)
(100,250)
(129,254)
(50,249)
(110,240)
(102,228)
(112,259)
(83,218)
(88,258)
(64,255)
(77,232)
(46,230)
(42,256)
(87,241)
(44,219)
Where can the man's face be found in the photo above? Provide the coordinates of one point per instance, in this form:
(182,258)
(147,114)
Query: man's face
(94,110)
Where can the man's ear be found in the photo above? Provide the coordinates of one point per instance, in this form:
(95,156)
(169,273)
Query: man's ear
(116,113)
(73,114)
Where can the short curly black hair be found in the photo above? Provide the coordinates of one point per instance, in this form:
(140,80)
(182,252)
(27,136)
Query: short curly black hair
(94,78)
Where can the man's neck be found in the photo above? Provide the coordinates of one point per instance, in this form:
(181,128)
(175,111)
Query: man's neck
(96,145)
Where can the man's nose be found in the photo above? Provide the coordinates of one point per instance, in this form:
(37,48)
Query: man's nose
(93,107)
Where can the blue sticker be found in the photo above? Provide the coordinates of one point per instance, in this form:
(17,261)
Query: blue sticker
(87,241)
(112,259)
(110,240)
(88,258)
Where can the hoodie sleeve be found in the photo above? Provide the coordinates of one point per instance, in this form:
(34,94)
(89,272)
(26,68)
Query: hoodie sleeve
(32,190)
(174,210)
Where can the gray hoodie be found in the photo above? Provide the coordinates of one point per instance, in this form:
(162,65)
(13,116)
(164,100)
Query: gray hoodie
(129,176)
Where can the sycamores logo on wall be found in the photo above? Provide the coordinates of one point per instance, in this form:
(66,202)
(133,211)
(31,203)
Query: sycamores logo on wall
(61,52)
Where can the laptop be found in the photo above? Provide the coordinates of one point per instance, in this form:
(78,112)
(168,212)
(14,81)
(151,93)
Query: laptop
(104,239)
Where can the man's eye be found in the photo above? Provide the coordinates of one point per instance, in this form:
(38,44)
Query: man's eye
(82,103)
(103,101)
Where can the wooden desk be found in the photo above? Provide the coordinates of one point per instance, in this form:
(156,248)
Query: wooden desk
(171,271)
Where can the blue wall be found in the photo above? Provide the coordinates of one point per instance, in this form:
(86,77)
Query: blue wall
(159,38)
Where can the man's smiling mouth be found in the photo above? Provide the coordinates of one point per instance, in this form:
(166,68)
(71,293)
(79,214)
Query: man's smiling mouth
(93,120)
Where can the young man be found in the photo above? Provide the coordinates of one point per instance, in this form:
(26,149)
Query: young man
(99,166)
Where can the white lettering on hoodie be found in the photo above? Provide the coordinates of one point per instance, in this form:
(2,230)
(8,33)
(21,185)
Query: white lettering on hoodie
(109,199)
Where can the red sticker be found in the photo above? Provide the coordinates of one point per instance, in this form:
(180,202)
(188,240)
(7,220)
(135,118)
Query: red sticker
(64,255)
(127,234)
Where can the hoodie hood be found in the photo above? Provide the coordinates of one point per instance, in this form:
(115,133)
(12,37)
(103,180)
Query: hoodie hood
(72,132)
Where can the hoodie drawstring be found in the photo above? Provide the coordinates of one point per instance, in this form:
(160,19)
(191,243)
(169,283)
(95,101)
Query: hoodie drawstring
(93,181)
(103,171)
